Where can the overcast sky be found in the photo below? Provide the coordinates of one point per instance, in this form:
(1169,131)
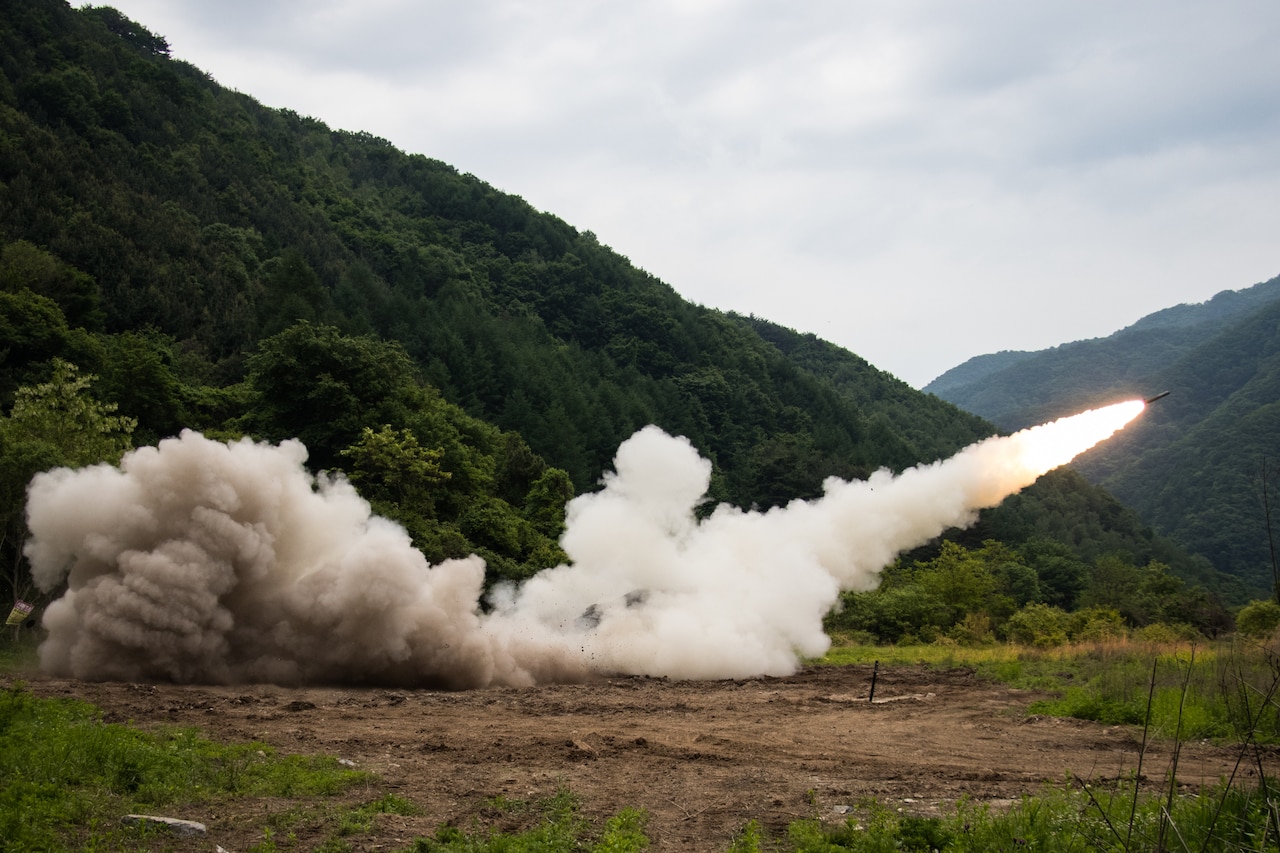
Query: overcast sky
(920,182)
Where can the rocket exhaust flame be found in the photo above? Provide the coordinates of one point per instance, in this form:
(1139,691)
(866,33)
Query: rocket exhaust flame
(198,561)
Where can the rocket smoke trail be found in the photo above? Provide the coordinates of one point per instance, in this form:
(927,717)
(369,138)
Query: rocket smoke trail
(200,561)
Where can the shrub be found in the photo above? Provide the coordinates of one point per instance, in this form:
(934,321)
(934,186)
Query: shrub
(896,615)
(1095,624)
(1258,619)
(973,630)
(1037,624)
(1163,633)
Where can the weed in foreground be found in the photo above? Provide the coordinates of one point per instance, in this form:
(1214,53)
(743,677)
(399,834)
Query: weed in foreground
(1083,820)
(1209,691)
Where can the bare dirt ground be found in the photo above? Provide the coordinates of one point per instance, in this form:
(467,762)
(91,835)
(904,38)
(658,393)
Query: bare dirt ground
(702,758)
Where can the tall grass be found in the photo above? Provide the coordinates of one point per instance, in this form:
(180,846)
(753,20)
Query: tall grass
(1177,691)
(1207,692)
(927,654)
(1058,820)
(1211,690)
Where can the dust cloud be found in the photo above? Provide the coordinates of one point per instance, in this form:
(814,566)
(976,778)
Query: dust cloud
(204,561)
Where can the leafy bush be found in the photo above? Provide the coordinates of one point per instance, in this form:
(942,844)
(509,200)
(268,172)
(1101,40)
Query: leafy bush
(1096,624)
(893,614)
(1039,625)
(1162,633)
(1086,703)
(1258,619)
(973,630)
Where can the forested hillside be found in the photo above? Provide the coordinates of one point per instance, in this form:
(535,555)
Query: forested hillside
(1018,389)
(1193,467)
(468,361)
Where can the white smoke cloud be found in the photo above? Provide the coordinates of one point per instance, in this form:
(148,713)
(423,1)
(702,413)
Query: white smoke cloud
(223,562)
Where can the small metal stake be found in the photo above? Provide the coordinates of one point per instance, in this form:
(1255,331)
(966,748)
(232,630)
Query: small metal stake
(874,670)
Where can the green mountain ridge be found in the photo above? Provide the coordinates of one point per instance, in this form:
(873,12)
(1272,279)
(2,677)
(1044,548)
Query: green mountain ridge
(1191,467)
(974,370)
(1018,389)
(243,270)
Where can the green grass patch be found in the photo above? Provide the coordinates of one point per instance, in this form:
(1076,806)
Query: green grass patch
(67,775)
(558,826)
(928,654)
(1086,704)
(359,821)
(341,824)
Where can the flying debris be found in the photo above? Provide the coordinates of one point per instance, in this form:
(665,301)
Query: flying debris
(1159,396)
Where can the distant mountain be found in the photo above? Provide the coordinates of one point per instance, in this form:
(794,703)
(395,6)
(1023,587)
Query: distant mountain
(1019,389)
(974,371)
(1191,466)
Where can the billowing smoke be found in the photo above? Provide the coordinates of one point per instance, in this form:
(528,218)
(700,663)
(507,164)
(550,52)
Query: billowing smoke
(212,562)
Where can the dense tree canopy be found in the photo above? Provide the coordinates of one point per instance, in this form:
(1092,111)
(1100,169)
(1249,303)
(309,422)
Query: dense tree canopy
(994,592)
